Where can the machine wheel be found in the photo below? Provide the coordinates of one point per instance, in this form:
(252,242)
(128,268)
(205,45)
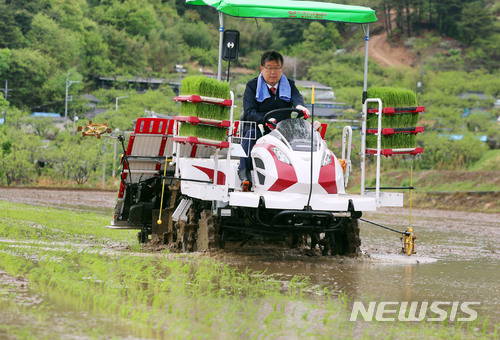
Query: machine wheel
(346,240)
(142,236)
(206,232)
(199,232)
(334,242)
(223,236)
(164,230)
(186,231)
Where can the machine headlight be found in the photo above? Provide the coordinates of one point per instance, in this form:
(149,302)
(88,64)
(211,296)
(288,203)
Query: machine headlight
(280,155)
(327,158)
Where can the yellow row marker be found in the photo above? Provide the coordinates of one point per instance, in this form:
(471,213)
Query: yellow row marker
(163,189)
(408,237)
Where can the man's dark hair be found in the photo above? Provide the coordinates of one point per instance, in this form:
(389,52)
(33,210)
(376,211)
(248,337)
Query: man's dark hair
(270,56)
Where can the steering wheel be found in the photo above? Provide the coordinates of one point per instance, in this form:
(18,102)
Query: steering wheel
(271,114)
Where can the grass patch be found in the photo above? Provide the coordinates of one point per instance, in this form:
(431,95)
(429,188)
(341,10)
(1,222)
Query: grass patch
(458,201)
(39,223)
(489,162)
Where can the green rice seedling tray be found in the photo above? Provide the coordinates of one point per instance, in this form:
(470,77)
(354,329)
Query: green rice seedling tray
(205,110)
(205,131)
(391,152)
(203,121)
(394,118)
(204,86)
(399,107)
(392,141)
(204,97)
(392,96)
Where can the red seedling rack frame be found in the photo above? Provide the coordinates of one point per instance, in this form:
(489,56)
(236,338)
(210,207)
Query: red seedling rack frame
(391,131)
(202,141)
(193,120)
(395,110)
(201,99)
(390,152)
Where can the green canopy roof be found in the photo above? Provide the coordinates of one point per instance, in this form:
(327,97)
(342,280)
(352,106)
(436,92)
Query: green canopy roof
(291,9)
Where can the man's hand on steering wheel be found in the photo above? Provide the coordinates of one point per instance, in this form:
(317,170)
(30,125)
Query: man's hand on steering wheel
(271,123)
(270,117)
(304,109)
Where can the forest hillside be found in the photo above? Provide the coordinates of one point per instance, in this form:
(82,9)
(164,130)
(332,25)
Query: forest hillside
(105,54)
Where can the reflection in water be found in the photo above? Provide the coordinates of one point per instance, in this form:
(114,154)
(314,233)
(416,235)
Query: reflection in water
(456,261)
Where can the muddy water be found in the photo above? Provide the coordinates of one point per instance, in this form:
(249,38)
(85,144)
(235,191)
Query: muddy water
(457,259)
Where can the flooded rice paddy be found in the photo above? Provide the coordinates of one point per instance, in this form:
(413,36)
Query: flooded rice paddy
(457,260)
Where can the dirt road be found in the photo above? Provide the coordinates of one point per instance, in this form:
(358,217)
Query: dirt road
(382,52)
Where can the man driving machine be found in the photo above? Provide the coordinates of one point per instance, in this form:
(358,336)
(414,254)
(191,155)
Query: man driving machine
(269,91)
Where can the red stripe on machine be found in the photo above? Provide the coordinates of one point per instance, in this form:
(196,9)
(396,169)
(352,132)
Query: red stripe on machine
(286,173)
(327,177)
(221,177)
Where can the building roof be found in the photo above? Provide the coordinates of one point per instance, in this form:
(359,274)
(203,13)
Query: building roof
(308,84)
(471,94)
(46,115)
(90,98)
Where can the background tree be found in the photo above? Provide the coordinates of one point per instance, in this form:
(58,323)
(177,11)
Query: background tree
(28,71)
(5,55)
(95,53)
(11,36)
(3,103)
(61,45)
(475,22)
(18,151)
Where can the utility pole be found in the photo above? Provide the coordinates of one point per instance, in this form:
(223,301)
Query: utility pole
(117,131)
(104,164)
(116,101)
(295,68)
(420,84)
(179,68)
(68,84)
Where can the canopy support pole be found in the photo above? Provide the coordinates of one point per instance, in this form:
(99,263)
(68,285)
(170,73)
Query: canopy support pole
(365,75)
(363,124)
(221,40)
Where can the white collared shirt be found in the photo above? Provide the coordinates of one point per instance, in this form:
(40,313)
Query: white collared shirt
(275,87)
